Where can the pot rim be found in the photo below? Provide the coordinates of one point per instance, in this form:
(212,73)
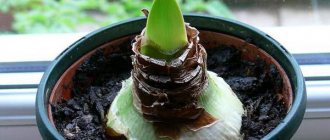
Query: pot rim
(299,90)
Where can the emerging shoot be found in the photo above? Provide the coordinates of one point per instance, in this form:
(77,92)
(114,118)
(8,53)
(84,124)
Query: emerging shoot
(165,32)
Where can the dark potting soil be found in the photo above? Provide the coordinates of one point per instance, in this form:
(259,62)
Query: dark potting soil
(98,80)
(95,85)
(256,85)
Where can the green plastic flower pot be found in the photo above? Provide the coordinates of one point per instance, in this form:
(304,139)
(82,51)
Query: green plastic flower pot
(113,35)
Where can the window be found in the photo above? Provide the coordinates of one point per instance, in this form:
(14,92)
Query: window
(34,32)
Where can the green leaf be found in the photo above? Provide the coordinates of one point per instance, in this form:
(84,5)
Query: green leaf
(165,31)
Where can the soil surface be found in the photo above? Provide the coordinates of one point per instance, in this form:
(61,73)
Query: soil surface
(98,80)
(256,84)
(96,83)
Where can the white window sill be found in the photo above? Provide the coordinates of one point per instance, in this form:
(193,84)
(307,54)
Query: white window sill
(17,112)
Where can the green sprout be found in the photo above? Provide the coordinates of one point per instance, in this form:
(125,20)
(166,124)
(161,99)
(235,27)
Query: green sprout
(165,32)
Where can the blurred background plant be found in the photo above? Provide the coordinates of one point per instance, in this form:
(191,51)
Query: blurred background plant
(63,16)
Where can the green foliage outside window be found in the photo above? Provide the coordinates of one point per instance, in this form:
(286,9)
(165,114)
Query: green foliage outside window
(58,16)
